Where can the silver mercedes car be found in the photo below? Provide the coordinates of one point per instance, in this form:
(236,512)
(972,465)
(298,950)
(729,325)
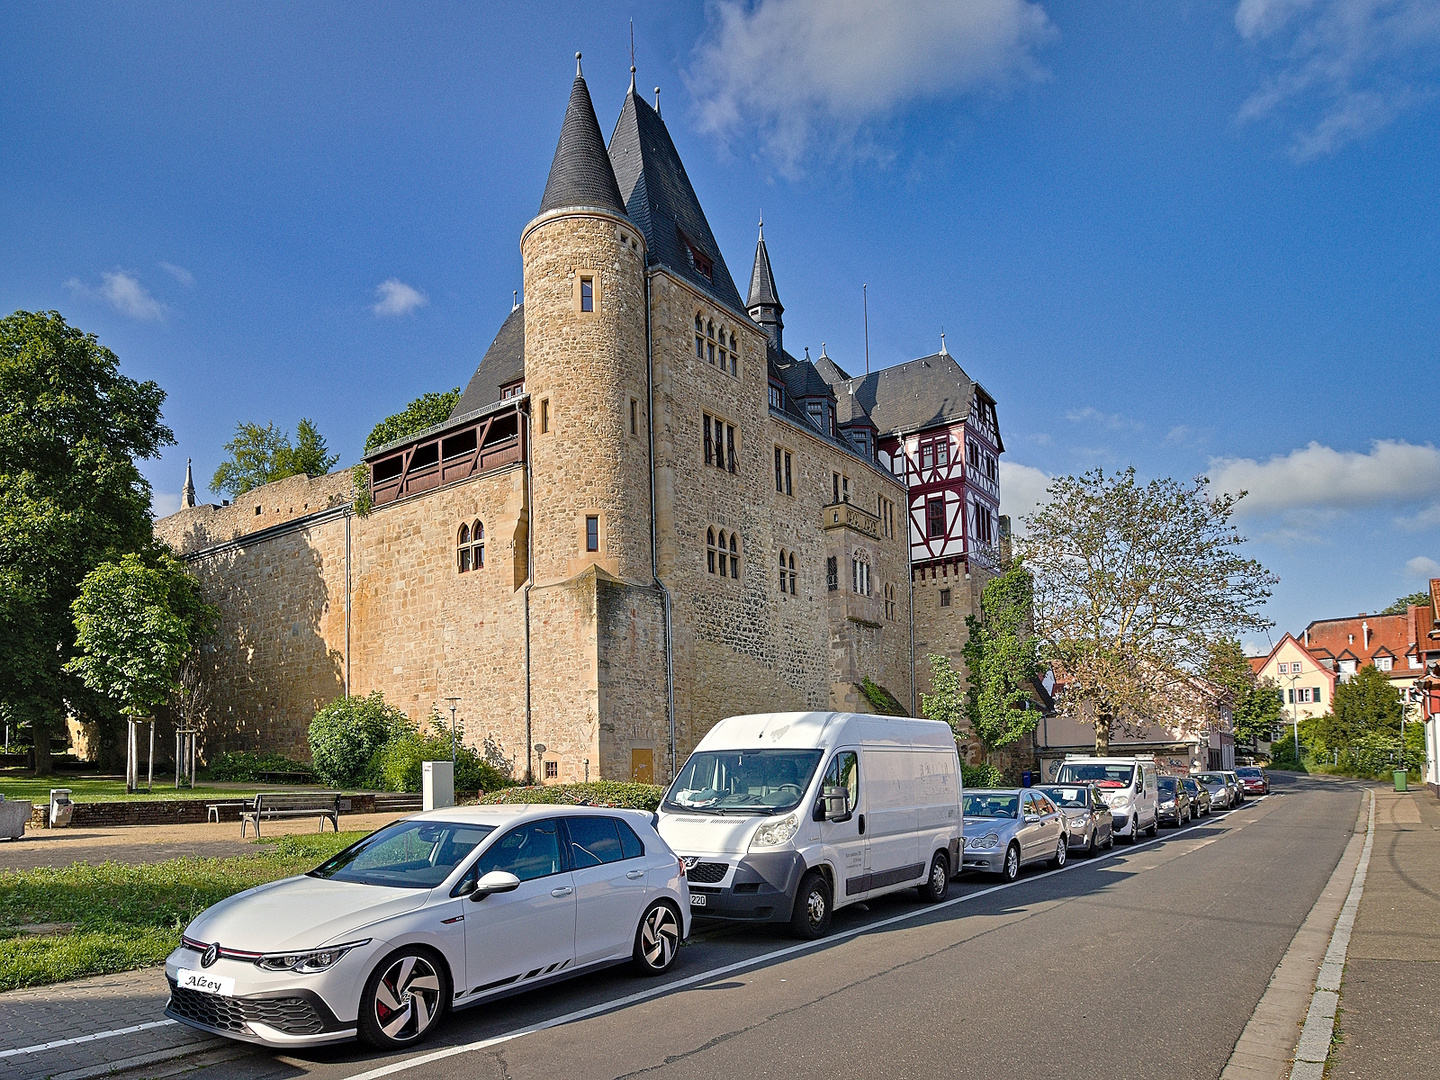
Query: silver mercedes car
(1007,828)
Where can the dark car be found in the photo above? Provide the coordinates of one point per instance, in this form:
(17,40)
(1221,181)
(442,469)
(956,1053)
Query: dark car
(1174,806)
(1088,820)
(1199,797)
(1255,779)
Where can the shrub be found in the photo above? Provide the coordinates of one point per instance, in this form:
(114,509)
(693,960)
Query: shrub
(346,735)
(981,776)
(244,765)
(596,793)
(1282,756)
(399,763)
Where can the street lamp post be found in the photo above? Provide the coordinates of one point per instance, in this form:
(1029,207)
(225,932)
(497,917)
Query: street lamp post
(454,704)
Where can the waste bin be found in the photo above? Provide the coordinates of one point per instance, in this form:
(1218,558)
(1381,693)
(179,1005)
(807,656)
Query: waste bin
(61,808)
(1400,780)
(1026,779)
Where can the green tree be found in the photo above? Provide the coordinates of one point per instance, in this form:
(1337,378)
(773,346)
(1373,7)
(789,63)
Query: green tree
(1419,599)
(946,701)
(1133,586)
(261,455)
(425,411)
(347,734)
(1002,655)
(1255,705)
(1366,704)
(136,622)
(71,497)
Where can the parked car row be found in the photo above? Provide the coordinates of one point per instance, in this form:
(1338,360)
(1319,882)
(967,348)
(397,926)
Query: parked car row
(776,818)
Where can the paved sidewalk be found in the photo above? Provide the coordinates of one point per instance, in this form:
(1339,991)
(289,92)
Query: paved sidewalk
(1390,996)
(155,843)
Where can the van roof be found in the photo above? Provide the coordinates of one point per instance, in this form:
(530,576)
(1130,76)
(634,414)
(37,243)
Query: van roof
(810,730)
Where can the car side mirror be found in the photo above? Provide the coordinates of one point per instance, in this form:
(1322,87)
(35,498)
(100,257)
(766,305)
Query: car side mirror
(496,881)
(837,803)
(1031,819)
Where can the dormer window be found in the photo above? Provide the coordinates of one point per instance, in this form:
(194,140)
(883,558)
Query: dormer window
(702,262)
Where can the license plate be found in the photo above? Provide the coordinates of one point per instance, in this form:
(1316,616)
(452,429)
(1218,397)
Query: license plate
(205,983)
(697,899)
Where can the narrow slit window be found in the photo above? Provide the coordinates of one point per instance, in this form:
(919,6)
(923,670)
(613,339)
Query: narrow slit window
(544,415)
(779,474)
(789,489)
(592,533)
(634,417)
(587,294)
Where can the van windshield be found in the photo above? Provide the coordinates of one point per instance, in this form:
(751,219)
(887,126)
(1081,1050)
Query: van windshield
(743,781)
(1095,772)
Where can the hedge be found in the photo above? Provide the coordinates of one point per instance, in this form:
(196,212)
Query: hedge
(981,776)
(596,793)
(244,765)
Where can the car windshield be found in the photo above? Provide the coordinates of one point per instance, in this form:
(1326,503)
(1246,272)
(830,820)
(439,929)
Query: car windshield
(1167,783)
(1211,779)
(1190,785)
(1097,773)
(407,855)
(743,781)
(992,806)
(1254,774)
(1067,796)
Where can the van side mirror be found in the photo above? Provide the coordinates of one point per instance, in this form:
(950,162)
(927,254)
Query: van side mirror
(496,881)
(836,801)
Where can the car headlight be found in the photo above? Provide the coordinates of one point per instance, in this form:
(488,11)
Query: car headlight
(1120,802)
(1080,819)
(775,832)
(1168,802)
(988,842)
(307,963)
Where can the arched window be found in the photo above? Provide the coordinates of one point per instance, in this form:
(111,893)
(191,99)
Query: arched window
(724,361)
(477,541)
(710,550)
(710,330)
(734,558)
(699,337)
(734,356)
(792,573)
(783,578)
(462,548)
(710,345)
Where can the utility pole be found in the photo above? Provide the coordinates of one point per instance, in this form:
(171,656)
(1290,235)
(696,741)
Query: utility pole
(454,704)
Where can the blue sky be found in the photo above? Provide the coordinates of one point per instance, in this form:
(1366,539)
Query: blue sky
(1191,237)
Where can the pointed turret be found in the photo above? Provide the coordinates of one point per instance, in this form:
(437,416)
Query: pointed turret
(764,303)
(187,495)
(581,174)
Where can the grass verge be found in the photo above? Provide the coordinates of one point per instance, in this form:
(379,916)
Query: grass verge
(127,916)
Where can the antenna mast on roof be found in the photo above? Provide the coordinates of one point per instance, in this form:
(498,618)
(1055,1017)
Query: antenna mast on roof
(865,300)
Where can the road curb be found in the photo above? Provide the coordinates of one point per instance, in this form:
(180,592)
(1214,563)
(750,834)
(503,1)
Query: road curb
(1264,1049)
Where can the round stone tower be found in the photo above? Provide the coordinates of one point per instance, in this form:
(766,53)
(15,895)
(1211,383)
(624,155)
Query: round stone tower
(585,364)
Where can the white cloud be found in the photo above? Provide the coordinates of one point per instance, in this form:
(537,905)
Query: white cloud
(808,74)
(1109,421)
(1347,67)
(179,273)
(394,297)
(1423,567)
(1319,477)
(123,291)
(1428,518)
(1022,490)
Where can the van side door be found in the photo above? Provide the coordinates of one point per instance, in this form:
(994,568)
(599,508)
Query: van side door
(844,843)
(892,846)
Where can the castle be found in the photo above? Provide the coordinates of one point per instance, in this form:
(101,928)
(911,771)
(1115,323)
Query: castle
(644,514)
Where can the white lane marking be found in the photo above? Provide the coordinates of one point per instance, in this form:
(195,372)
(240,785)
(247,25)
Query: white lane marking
(740,965)
(58,1043)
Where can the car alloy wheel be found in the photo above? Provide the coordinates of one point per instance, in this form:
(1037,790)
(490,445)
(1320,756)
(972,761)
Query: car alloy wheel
(657,940)
(1062,849)
(1090,843)
(1012,863)
(403,998)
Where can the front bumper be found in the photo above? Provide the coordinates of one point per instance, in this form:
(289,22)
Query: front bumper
(1168,814)
(757,888)
(989,862)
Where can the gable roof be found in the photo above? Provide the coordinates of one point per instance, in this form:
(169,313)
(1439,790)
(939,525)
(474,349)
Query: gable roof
(502,364)
(923,393)
(1321,669)
(660,200)
(581,174)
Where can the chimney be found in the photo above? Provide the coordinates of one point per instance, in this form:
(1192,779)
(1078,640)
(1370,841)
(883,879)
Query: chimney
(1365,633)
(1307,637)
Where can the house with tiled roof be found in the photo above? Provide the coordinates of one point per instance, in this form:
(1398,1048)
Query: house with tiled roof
(1306,684)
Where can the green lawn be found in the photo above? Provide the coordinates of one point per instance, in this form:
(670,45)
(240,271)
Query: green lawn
(126,916)
(86,789)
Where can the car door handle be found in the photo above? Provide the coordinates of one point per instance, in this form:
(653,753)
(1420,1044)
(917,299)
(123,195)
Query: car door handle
(564,890)
(633,874)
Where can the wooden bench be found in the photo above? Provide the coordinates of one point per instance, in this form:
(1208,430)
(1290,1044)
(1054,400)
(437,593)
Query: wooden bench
(212,810)
(272,805)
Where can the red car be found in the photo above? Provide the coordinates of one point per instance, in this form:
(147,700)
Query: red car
(1255,779)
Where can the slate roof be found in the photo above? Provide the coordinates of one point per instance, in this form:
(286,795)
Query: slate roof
(661,202)
(503,364)
(848,409)
(925,392)
(580,174)
(762,279)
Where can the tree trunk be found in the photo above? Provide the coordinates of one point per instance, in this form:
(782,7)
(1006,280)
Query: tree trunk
(1102,736)
(42,750)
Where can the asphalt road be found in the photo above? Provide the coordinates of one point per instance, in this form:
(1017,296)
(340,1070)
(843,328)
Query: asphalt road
(1142,963)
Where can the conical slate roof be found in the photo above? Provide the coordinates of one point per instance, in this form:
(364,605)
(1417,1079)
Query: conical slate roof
(581,174)
(661,202)
(762,279)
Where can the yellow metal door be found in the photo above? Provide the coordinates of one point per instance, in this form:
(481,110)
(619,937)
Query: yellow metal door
(642,766)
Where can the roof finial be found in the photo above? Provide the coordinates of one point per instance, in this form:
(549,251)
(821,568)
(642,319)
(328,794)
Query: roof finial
(632,78)
(943,351)
(516,302)
(823,355)
(657,101)
(762,225)
(807,354)
(578,73)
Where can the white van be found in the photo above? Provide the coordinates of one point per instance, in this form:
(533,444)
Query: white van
(783,817)
(1127,784)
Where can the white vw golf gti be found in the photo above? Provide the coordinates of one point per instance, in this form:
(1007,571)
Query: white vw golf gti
(433,912)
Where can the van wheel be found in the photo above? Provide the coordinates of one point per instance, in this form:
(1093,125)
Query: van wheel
(1011,869)
(937,886)
(811,917)
(1154,829)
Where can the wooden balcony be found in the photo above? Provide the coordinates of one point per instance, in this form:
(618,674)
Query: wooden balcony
(444,455)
